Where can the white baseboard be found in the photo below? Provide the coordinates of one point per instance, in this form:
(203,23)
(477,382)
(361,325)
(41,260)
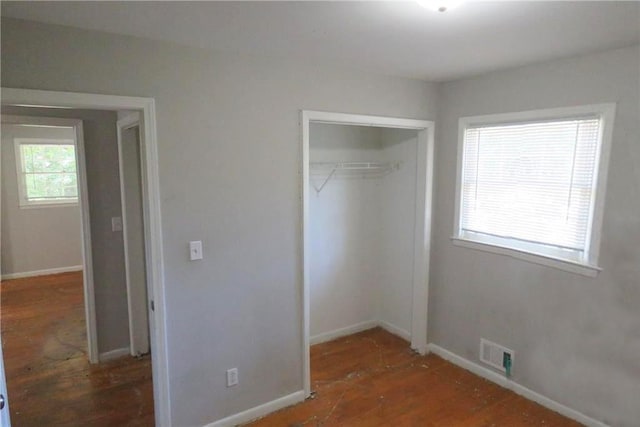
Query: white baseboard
(515,387)
(259,411)
(392,329)
(359,327)
(41,272)
(342,332)
(114,354)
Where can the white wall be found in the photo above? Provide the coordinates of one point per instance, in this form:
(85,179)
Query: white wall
(35,238)
(344,231)
(361,231)
(576,338)
(229,153)
(397,228)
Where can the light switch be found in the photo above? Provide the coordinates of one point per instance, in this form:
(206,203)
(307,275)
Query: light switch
(116,223)
(195,250)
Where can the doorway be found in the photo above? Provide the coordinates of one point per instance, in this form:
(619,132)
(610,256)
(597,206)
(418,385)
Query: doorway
(151,224)
(46,209)
(313,183)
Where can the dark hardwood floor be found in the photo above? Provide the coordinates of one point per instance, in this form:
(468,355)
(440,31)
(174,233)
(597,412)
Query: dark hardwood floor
(374,379)
(49,379)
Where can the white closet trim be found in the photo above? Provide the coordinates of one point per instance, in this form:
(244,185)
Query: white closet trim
(422,226)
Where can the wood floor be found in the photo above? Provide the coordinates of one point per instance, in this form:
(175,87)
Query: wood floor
(50,381)
(374,379)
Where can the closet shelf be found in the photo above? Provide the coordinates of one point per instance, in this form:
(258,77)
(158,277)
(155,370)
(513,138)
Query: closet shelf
(329,170)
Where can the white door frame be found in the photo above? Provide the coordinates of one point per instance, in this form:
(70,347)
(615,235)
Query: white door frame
(424,191)
(135,347)
(83,196)
(5,420)
(152,219)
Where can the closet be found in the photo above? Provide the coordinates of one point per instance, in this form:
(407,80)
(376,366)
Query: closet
(362,222)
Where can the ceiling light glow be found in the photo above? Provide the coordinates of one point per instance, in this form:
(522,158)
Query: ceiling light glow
(440,5)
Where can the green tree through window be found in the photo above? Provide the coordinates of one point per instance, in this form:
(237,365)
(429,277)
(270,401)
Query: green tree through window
(48,172)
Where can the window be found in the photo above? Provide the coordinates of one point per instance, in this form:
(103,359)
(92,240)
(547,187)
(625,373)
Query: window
(46,172)
(531,184)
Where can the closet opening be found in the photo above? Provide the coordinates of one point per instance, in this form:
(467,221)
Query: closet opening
(367,190)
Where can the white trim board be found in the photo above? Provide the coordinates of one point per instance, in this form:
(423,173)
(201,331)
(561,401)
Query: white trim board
(114,354)
(343,332)
(259,411)
(152,220)
(394,330)
(523,391)
(359,327)
(44,272)
(422,231)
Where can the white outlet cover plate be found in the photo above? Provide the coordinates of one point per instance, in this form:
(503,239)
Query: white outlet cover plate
(116,223)
(232,377)
(195,250)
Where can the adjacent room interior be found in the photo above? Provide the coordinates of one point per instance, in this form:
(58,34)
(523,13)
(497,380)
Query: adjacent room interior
(67,291)
(321,213)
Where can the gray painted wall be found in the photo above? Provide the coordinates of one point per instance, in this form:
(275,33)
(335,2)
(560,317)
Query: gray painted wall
(229,154)
(103,181)
(35,238)
(576,338)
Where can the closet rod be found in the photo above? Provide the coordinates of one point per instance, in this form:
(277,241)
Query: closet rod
(356,166)
(373,169)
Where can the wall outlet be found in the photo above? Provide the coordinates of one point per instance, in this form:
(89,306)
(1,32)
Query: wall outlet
(496,355)
(232,377)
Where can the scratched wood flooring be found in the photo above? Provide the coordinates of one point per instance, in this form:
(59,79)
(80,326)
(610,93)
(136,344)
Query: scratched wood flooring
(50,381)
(373,379)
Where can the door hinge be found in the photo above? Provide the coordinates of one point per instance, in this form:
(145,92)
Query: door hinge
(153,306)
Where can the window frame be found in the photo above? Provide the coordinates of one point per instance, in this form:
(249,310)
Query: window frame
(23,199)
(537,253)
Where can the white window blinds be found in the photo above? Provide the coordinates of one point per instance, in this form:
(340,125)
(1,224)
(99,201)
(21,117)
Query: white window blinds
(531,182)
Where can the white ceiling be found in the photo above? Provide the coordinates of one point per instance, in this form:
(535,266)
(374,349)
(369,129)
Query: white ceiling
(391,37)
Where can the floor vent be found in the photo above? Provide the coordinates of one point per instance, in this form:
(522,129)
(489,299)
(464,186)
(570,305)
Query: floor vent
(496,355)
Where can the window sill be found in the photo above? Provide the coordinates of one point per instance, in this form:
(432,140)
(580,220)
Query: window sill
(50,205)
(546,260)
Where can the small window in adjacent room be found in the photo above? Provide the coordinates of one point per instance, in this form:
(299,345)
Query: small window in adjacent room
(531,185)
(46,172)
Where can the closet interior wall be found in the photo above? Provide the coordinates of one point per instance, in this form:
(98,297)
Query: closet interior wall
(361,230)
